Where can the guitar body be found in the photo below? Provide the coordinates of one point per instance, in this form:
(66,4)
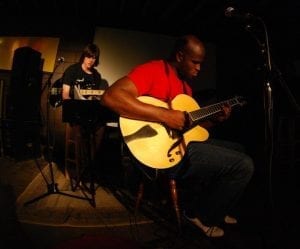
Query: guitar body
(55,98)
(155,145)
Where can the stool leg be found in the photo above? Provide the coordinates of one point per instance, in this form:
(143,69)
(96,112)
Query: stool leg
(174,196)
(71,152)
(139,196)
(67,138)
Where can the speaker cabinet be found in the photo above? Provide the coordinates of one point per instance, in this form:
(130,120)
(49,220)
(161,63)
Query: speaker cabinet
(21,140)
(21,127)
(25,85)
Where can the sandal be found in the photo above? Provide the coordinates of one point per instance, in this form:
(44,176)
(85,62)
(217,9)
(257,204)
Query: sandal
(212,232)
(230,220)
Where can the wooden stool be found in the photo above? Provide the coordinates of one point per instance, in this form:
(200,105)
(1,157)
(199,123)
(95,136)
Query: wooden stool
(79,156)
(72,154)
(174,197)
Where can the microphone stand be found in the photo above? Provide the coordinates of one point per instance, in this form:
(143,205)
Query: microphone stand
(267,96)
(52,186)
(272,73)
(268,102)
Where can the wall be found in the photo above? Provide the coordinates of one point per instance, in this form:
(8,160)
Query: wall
(45,45)
(121,50)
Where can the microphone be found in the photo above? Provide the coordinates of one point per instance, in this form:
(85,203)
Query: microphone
(233,13)
(61,59)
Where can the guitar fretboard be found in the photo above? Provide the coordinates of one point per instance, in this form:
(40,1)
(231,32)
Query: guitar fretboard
(211,110)
(90,92)
(55,91)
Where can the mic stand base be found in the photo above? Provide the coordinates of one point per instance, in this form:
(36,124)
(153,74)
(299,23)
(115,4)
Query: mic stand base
(52,188)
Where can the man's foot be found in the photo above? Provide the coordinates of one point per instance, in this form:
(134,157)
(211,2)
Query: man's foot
(230,220)
(212,232)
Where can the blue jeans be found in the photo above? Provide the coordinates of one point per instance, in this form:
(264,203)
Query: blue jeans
(213,174)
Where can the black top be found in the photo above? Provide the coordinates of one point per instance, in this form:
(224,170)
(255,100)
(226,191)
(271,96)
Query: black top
(88,113)
(74,75)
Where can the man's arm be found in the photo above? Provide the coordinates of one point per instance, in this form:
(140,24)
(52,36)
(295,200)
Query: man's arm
(121,97)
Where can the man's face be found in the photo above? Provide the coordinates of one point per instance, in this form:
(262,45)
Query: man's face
(190,61)
(89,61)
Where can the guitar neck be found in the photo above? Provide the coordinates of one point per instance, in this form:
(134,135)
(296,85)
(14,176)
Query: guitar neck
(210,111)
(55,90)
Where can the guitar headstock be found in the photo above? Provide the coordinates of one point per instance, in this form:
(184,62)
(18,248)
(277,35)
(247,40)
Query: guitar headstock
(240,100)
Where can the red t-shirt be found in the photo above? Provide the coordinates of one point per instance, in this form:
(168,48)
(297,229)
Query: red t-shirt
(159,80)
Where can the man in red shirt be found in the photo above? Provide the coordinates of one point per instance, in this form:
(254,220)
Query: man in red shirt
(219,166)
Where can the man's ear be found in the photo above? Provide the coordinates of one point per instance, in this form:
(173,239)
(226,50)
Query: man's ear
(179,56)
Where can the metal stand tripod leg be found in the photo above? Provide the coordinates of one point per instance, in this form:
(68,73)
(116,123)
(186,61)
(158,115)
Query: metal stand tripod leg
(52,187)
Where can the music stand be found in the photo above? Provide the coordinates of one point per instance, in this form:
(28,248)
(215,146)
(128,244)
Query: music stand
(87,115)
(52,187)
